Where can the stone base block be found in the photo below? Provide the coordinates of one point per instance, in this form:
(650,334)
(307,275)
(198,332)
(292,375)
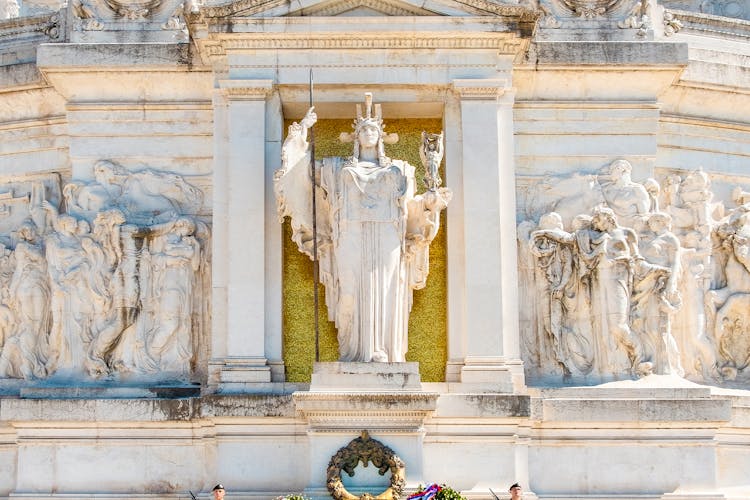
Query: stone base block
(239,375)
(492,375)
(651,400)
(366,377)
(245,374)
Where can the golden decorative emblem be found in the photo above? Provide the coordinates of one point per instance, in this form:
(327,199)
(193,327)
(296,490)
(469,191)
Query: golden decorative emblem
(364,449)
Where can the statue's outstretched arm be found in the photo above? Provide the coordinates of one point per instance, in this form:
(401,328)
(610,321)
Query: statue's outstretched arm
(292,182)
(423,223)
(53,215)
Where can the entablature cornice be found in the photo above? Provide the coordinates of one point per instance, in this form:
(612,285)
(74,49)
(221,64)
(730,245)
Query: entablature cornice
(41,28)
(229,27)
(713,26)
(395,40)
(365,34)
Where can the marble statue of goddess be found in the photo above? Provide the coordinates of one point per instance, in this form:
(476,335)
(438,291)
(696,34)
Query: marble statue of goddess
(373,234)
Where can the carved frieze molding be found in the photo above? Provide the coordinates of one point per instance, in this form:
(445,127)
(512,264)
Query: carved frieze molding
(246,89)
(736,9)
(55,120)
(132,105)
(345,65)
(350,400)
(391,412)
(371,41)
(703,122)
(480,89)
(504,44)
(242,7)
(502,9)
(409,422)
(46,24)
(711,25)
(578,104)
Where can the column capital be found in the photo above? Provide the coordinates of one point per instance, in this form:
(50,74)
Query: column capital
(252,90)
(481,88)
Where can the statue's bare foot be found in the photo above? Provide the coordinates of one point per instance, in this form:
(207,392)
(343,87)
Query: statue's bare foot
(644,369)
(729,372)
(97,368)
(379,357)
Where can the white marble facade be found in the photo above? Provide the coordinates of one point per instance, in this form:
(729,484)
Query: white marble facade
(597,163)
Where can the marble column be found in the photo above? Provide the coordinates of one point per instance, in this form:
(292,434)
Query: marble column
(239,361)
(490,333)
(456,241)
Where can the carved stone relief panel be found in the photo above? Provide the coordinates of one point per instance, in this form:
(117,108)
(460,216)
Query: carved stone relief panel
(102,280)
(627,279)
(591,19)
(133,20)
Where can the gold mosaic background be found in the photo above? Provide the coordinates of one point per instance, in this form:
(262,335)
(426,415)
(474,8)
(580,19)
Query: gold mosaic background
(428,320)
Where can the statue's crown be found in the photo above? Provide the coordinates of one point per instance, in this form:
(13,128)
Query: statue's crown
(372,117)
(368,119)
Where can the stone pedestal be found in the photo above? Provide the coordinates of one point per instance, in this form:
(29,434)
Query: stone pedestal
(384,399)
(366,377)
(644,431)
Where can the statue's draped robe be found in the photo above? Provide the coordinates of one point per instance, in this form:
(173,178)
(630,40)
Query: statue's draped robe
(366,215)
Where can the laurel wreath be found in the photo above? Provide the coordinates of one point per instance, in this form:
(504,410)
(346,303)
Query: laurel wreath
(365,449)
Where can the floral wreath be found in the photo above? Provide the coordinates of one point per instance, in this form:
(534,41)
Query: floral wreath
(364,449)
